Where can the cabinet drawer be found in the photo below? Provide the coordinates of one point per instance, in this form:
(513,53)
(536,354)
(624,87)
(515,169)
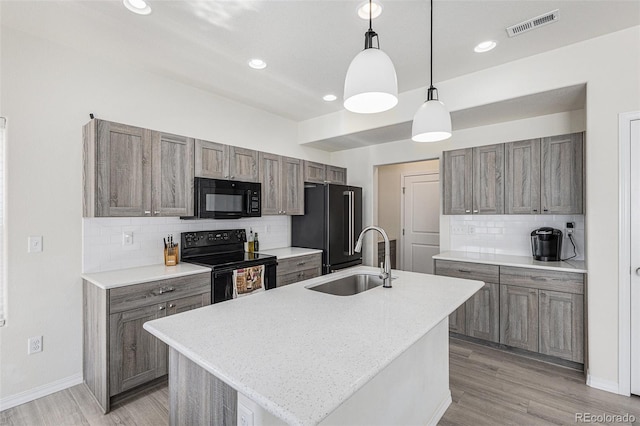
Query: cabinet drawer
(472,271)
(294,277)
(567,282)
(137,295)
(299,263)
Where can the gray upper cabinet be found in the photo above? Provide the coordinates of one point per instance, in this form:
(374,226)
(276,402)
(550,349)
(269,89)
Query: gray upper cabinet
(522,171)
(323,173)
(172,175)
(117,170)
(129,171)
(282,181)
(537,176)
(218,161)
(457,182)
(315,172)
(561,177)
(336,175)
(488,183)
(243,164)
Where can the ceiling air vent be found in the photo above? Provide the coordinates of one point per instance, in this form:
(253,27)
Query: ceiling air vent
(533,23)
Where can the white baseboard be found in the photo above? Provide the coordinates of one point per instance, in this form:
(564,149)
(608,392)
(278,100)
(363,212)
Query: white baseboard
(605,385)
(39,392)
(442,408)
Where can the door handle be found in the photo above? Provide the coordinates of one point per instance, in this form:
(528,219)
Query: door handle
(638,272)
(351,226)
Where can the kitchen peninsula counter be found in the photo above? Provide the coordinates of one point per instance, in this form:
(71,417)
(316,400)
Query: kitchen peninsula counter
(302,355)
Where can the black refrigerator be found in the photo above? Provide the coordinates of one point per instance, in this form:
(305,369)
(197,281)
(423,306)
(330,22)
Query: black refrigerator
(332,222)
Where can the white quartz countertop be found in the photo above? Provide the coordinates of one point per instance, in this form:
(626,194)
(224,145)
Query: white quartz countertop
(518,261)
(123,277)
(286,252)
(300,353)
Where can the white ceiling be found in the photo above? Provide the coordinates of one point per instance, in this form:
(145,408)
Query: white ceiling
(308,45)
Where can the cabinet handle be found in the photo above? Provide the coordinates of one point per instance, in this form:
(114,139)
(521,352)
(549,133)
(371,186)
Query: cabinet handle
(535,210)
(467,211)
(167,290)
(172,305)
(156,212)
(304,263)
(464,271)
(475,211)
(162,308)
(226,176)
(147,212)
(301,274)
(232,177)
(545,210)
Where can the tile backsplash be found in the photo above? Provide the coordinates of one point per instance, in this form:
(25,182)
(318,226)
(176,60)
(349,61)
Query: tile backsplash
(511,234)
(102,238)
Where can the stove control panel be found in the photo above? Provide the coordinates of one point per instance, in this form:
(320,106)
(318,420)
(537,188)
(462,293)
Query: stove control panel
(213,238)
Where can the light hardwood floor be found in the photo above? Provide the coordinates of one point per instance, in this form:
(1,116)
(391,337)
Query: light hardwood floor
(489,387)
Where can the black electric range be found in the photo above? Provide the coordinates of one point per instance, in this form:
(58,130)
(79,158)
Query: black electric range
(223,252)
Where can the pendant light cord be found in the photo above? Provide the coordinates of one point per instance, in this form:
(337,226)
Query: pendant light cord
(370,19)
(431,47)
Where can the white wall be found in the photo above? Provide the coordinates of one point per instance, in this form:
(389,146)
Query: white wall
(610,66)
(47,94)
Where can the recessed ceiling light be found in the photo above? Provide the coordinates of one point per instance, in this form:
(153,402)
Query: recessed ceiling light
(363,10)
(257,64)
(485,46)
(137,6)
(329,98)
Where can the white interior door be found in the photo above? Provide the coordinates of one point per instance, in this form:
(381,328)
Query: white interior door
(635,257)
(421,222)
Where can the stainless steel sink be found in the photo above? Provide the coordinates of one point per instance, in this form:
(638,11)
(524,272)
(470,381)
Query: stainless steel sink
(348,286)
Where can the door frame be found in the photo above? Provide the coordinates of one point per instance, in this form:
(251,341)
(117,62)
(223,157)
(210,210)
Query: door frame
(400,246)
(624,252)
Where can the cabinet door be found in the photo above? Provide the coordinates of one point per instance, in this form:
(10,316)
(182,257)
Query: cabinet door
(458,181)
(488,182)
(136,356)
(483,313)
(336,175)
(562,325)
(457,321)
(270,176)
(519,317)
(243,164)
(314,172)
(211,160)
(123,170)
(292,186)
(172,175)
(188,303)
(561,177)
(522,171)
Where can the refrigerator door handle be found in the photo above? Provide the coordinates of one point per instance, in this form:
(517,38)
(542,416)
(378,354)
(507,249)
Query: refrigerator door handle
(351,237)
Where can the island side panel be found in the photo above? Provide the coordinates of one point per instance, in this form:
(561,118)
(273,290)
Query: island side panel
(197,397)
(413,389)
(95,343)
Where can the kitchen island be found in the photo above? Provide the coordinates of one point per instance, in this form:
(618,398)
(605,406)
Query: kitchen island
(296,356)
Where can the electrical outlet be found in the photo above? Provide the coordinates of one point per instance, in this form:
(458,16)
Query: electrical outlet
(570,227)
(127,238)
(34,345)
(34,244)
(460,230)
(245,415)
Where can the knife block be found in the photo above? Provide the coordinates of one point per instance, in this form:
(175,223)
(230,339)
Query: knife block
(171,255)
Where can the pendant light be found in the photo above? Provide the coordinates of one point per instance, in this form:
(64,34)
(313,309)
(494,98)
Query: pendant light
(371,84)
(432,121)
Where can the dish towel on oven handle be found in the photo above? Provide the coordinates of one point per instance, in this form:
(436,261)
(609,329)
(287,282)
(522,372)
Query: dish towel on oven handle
(248,281)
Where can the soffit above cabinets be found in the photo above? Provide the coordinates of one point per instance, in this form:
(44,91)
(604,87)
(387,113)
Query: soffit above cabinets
(307,45)
(572,98)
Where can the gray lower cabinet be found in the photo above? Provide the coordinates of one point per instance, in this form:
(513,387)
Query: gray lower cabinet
(118,354)
(298,268)
(129,171)
(282,185)
(537,310)
(218,161)
(519,317)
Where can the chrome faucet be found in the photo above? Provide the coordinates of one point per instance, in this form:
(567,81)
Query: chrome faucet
(385,269)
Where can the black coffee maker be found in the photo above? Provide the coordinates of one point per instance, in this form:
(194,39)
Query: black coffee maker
(546,244)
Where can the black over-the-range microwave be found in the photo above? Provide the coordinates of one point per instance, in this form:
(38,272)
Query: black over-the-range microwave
(226,199)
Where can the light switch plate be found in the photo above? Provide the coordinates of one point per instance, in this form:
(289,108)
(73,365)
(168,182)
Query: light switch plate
(245,415)
(34,244)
